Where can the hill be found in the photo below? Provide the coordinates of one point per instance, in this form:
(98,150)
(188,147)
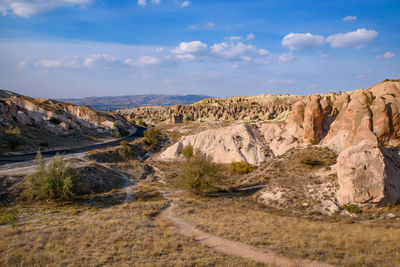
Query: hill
(6,94)
(132,101)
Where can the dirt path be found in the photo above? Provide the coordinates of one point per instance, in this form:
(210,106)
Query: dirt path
(233,248)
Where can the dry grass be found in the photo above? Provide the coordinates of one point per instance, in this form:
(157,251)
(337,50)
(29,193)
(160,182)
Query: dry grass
(125,234)
(344,243)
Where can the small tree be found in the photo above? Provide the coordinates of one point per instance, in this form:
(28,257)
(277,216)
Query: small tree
(58,181)
(12,137)
(199,174)
(187,151)
(151,137)
(125,151)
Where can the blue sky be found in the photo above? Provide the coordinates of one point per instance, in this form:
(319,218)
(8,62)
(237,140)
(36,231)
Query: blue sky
(78,48)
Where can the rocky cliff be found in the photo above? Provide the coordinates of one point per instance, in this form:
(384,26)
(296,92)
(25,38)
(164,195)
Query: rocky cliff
(249,108)
(362,127)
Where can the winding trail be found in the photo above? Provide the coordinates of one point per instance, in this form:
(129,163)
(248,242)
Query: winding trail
(232,248)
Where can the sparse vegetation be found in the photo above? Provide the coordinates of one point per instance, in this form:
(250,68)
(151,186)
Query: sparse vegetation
(342,242)
(150,136)
(58,181)
(142,123)
(352,208)
(187,151)
(199,174)
(12,137)
(125,151)
(106,237)
(242,167)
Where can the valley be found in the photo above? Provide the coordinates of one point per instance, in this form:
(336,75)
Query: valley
(276,180)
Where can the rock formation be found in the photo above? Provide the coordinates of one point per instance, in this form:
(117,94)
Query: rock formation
(58,117)
(362,126)
(225,145)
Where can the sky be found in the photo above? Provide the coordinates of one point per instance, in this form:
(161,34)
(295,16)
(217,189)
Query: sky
(222,48)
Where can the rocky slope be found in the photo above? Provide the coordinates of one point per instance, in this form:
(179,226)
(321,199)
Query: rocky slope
(362,127)
(49,118)
(248,108)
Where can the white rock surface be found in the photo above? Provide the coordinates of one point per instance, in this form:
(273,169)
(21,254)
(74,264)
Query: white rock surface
(225,145)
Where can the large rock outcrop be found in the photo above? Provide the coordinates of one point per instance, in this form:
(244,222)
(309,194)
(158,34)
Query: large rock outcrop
(225,145)
(58,117)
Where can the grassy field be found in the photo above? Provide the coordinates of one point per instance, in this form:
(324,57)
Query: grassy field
(120,235)
(343,241)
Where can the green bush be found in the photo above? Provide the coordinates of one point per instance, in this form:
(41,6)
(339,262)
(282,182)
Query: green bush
(242,167)
(199,174)
(187,151)
(58,181)
(12,137)
(125,150)
(352,208)
(151,137)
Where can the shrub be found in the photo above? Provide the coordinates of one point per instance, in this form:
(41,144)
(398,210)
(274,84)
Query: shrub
(187,151)
(142,123)
(242,167)
(117,134)
(116,123)
(59,181)
(12,137)
(151,137)
(125,151)
(352,208)
(199,174)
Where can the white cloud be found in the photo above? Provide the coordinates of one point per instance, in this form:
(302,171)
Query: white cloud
(189,50)
(147,60)
(240,52)
(28,8)
(250,36)
(387,55)
(156,2)
(349,18)
(303,41)
(142,2)
(185,3)
(287,58)
(357,39)
(48,63)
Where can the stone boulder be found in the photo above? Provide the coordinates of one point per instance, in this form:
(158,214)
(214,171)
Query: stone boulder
(366,176)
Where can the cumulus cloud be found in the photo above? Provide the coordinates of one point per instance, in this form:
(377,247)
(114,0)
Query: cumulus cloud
(189,50)
(287,58)
(349,18)
(357,39)
(185,3)
(28,8)
(250,36)
(387,55)
(303,41)
(240,52)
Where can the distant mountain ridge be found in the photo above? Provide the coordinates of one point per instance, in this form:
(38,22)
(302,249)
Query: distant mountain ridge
(132,101)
